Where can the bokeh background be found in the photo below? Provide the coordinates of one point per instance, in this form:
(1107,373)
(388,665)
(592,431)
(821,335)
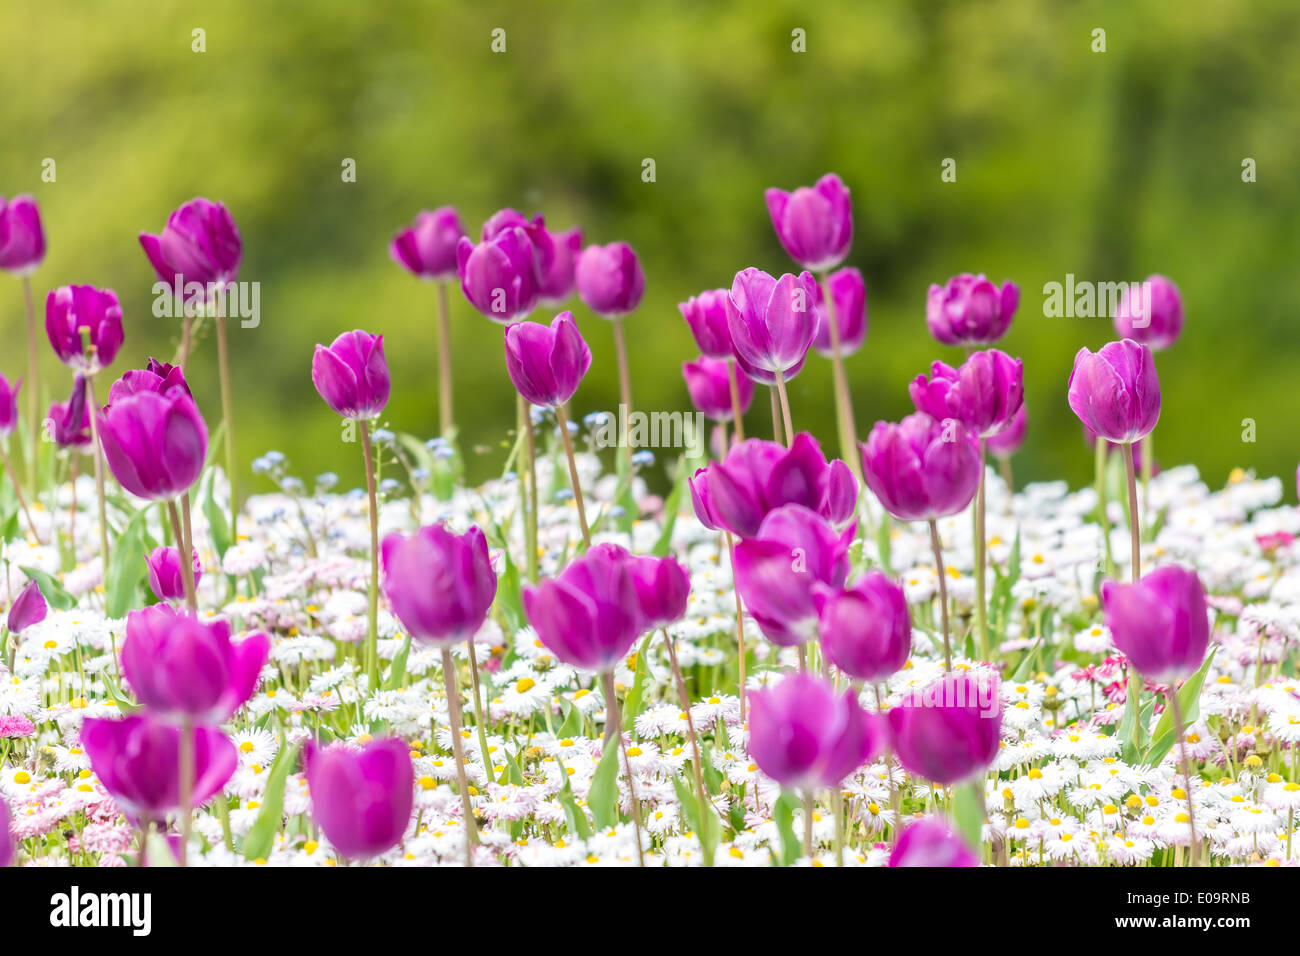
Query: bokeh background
(1107,165)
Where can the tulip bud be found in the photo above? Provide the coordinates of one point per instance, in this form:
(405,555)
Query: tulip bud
(814,224)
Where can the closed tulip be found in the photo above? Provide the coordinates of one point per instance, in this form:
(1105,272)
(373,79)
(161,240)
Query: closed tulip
(352,375)
(439,584)
(778,572)
(848,304)
(361,799)
(1160,622)
(157,377)
(866,629)
(29,608)
(662,589)
(931,842)
(155,444)
(8,406)
(165,572)
(555,254)
(984,394)
(589,615)
(73,308)
(22,240)
(772,321)
(182,668)
(804,734)
(813,223)
(200,244)
(499,276)
(1115,391)
(921,468)
(427,248)
(709,384)
(706,315)
(949,730)
(68,423)
(547,363)
(609,278)
(1151,313)
(970,310)
(137,759)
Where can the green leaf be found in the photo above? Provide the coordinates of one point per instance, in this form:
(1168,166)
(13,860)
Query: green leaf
(1026,667)
(509,593)
(671,509)
(397,670)
(126,568)
(1131,729)
(218,520)
(968,811)
(783,817)
(602,798)
(54,593)
(1164,736)
(632,703)
(573,720)
(883,542)
(702,820)
(573,813)
(261,838)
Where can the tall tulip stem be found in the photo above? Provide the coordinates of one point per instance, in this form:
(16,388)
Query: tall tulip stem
(1181,731)
(33,383)
(99,478)
(981,560)
(228,414)
(563,419)
(372,633)
(943,593)
(736,414)
(479,723)
(185,767)
(740,626)
(848,428)
(446,417)
(1148,467)
(614,725)
(187,564)
(785,408)
(1134,523)
(530,517)
(458,752)
(776,415)
(1099,482)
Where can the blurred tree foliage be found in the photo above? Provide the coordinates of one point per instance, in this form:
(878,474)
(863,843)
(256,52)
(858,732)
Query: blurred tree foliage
(1107,165)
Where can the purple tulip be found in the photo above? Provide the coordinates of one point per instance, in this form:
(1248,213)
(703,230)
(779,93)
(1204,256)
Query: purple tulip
(970,310)
(427,249)
(439,584)
(1008,441)
(1115,391)
(165,573)
(499,276)
(1156,320)
(814,224)
(158,377)
(609,278)
(779,571)
(849,299)
(22,240)
(70,309)
(29,608)
(984,394)
(184,669)
(866,629)
(921,468)
(137,759)
(8,406)
(662,589)
(361,799)
(772,321)
(352,374)
(7,850)
(200,244)
(709,382)
(931,842)
(555,254)
(1160,622)
(69,422)
(547,363)
(706,314)
(803,733)
(764,376)
(758,476)
(155,444)
(951,729)
(589,615)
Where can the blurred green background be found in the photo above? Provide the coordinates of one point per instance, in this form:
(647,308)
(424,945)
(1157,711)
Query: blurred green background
(1107,165)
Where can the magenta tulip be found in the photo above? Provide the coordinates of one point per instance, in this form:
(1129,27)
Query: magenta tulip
(8,406)
(1008,441)
(609,278)
(7,849)
(589,615)
(814,223)
(29,608)
(427,248)
(68,423)
(439,584)
(949,730)
(73,308)
(547,363)
(155,444)
(352,375)
(158,377)
(22,240)
(662,589)
(970,310)
(499,276)
(709,383)
(555,254)
(849,303)
(184,669)
(804,734)
(1160,622)
(772,321)
(1152,316)
(866,629)
(361,799)
(165,573)
(137,759)
(706,315)
(984,394)
(1115,391)
(200,244)
(921,468)
(931,842)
